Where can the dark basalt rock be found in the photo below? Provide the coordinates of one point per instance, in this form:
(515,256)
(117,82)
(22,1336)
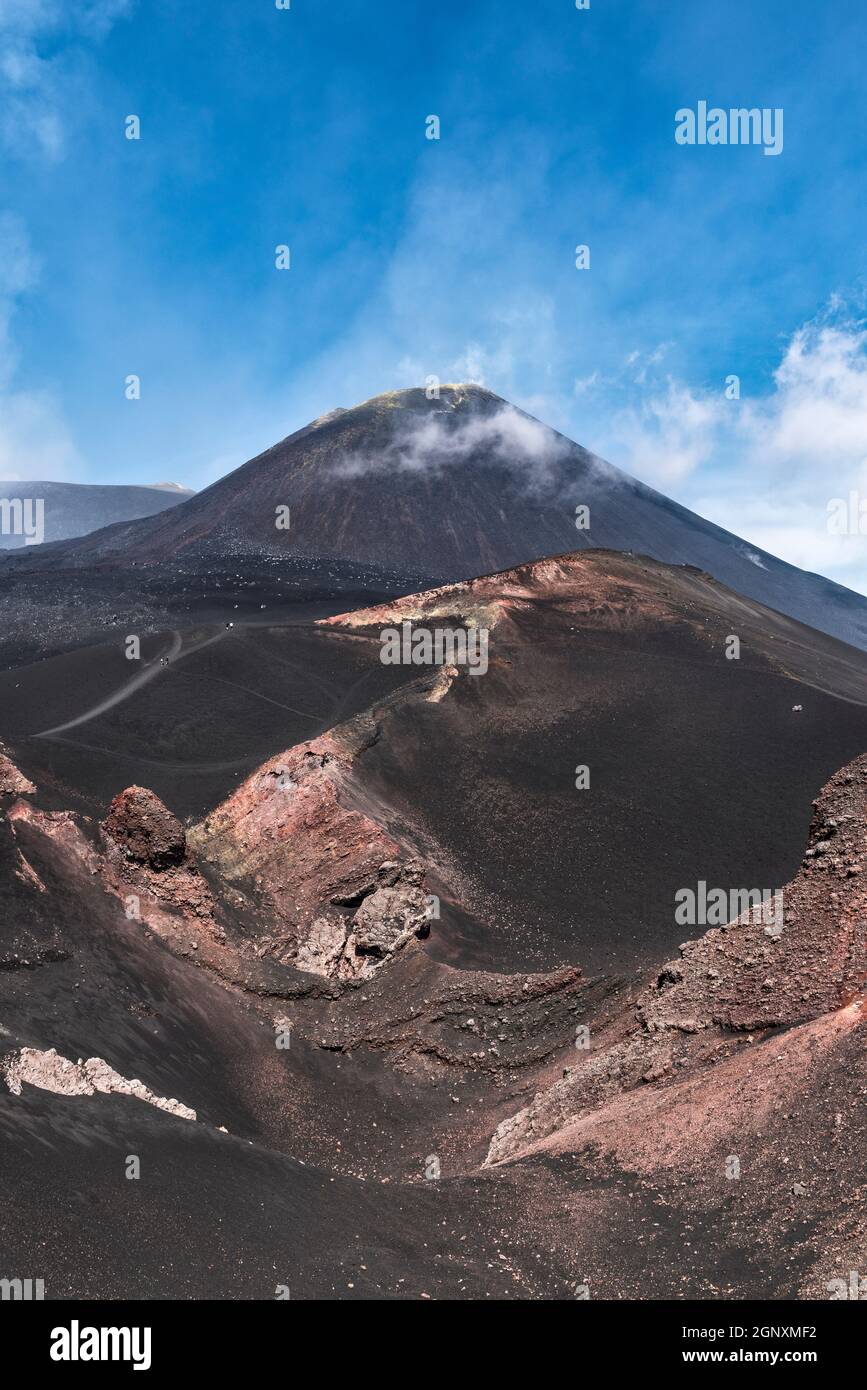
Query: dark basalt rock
(145,829)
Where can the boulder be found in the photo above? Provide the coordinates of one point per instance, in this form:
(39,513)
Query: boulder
(146,831)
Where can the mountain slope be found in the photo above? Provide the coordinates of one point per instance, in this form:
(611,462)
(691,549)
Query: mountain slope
(75,509)
(616,663)
(448,489)
(435,1130)
(595,658)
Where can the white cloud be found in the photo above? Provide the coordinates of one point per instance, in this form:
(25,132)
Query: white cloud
(35,94)
(669,435)
(34,91)
(644,362)
(783,456)
(432,442)
(818,411)
(583,384)
(35,442)
(470,365)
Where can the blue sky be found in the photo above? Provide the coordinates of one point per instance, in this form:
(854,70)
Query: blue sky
(454,257)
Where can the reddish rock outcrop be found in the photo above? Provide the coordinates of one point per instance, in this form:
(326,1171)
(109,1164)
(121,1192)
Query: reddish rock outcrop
(12,782)
(300,852)
(173,900)
(145,829)
(731,985)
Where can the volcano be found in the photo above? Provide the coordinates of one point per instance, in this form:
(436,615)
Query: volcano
(414,489)
(376,968)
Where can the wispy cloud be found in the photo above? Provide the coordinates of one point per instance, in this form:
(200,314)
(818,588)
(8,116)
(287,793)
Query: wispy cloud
(37,93)
(767,467)
(818,413)
(34,87)
(434,442)
(666,436)
(34,439)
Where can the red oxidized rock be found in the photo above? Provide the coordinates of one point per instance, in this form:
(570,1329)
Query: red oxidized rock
(12,782)
(145,829)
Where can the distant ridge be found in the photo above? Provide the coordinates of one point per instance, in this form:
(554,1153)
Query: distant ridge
(76,509)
